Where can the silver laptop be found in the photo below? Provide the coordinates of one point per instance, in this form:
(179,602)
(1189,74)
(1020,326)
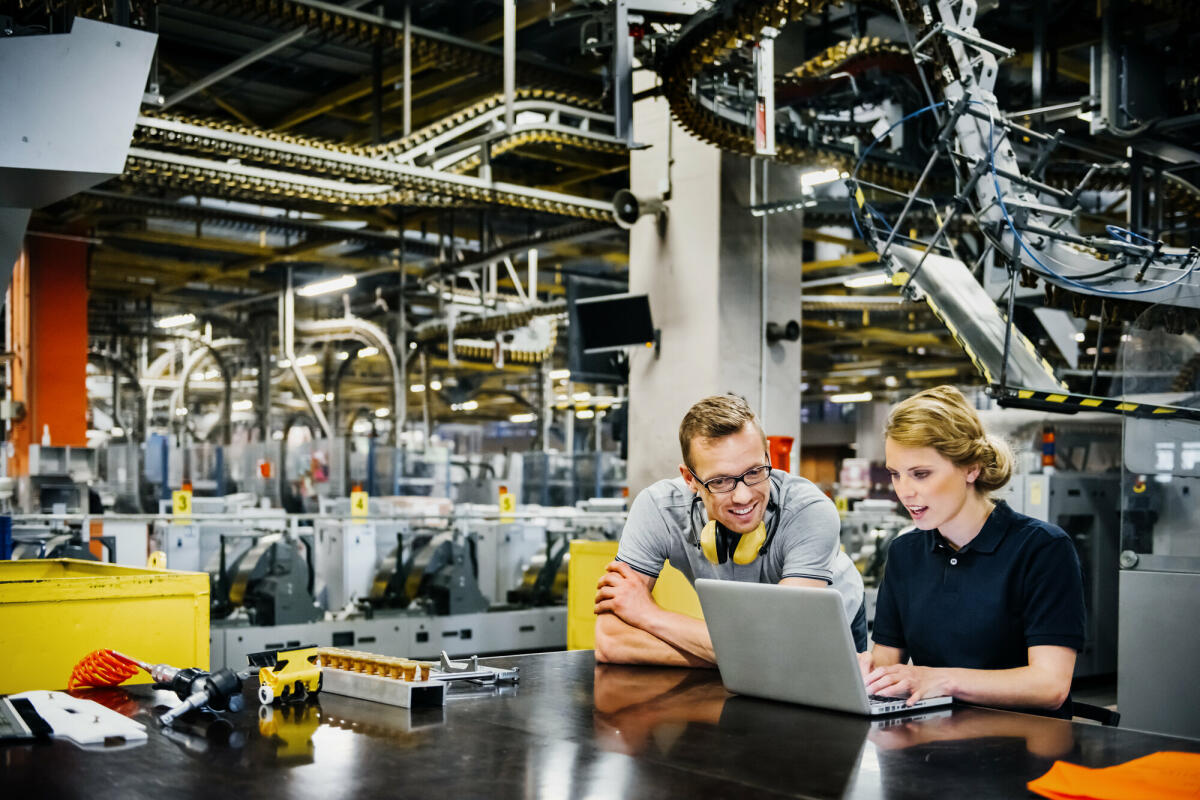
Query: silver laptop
(790,643)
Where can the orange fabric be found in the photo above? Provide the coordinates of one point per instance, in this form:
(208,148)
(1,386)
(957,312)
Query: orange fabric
(1161,776)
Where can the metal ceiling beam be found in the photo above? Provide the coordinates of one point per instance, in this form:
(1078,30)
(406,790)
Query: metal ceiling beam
(116,268)
(362,87)
(221,102)
(247,266)
(274,46)
(881,335)
(527,14)
(394,100)
(437,36)
(311,229)
(210,244)
(140,265)
(346,94)
(848,260)
(571,181)
(600,164)
(271,47)
(571,232)
(811,235)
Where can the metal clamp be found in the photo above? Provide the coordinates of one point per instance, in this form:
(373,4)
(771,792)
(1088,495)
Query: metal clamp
(471,671)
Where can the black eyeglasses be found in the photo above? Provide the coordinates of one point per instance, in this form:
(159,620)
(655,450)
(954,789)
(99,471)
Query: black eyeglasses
(724,484)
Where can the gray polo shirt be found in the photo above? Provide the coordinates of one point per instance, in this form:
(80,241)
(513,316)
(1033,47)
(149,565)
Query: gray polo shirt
(665,521)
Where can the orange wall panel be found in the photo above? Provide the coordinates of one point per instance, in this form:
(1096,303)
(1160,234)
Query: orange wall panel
(48,334)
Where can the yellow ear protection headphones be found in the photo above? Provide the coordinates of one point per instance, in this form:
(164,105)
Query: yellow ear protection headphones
(750,545)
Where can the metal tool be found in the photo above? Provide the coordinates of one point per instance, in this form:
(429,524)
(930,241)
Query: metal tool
(471,671)
(219,691)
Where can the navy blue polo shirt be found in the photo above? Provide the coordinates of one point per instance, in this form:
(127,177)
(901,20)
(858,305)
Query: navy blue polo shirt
(1016,585)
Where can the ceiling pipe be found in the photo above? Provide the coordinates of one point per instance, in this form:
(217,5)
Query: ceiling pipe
(118,365)
(336,388)
(287,344)
(179,394)
(371,334)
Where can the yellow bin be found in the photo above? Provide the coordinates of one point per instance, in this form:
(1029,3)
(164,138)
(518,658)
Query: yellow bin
(585,569)
(53,612)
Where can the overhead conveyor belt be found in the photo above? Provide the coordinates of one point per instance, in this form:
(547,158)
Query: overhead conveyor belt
(711,42)
(971,316)
(376,181)
(712,38)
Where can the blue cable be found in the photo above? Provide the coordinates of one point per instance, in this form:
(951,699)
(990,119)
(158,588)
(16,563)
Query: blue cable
(867,152)
(1113,230)
(1021,241)
(879,217)
(1125,235)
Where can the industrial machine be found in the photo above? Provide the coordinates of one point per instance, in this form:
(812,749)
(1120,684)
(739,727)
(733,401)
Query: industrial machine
(1087,507)
(441,575)
(272,581)
(58,480)
(50,542)
(1159,548)
(867,530)
(544,580)
(471,582)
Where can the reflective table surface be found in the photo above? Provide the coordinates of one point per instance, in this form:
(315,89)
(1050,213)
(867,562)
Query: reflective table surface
(569,729)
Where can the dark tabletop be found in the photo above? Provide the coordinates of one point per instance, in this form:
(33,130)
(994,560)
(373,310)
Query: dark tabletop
(572,729)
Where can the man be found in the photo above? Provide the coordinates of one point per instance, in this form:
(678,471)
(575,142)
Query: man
(728,516)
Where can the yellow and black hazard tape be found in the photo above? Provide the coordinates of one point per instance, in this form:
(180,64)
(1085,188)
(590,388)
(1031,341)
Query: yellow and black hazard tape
(1069,403)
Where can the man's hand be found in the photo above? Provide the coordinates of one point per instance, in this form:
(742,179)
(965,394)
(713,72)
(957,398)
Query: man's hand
(905,680)
(623,591)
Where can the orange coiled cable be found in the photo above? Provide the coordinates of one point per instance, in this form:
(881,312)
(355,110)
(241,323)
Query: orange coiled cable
(101,668)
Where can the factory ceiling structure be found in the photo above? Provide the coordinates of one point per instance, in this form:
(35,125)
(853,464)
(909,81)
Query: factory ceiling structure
(362,322)
(444,184)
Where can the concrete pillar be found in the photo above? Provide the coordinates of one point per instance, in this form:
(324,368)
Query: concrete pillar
(702,270)
(869,421)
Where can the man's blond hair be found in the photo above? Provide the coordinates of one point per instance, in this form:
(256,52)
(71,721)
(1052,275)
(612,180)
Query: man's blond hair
(714,417)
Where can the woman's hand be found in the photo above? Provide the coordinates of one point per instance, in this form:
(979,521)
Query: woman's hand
(905,680)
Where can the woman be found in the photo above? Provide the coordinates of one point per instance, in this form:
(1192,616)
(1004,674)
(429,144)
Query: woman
(987,603)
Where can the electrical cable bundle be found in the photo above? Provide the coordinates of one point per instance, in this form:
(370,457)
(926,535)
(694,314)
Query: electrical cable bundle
(1117,233)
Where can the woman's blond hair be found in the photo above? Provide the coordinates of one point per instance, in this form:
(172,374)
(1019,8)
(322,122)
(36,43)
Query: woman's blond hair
(942,418)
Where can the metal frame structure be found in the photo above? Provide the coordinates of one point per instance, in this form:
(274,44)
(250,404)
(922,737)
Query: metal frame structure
(1026,222)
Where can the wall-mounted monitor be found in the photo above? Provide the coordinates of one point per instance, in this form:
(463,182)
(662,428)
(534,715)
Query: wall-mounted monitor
(614,322)
(603,321)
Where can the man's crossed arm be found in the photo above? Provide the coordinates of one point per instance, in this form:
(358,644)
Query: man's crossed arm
(633,629)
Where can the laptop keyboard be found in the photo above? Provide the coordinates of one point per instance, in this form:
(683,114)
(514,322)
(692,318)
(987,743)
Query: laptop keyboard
(883,698)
